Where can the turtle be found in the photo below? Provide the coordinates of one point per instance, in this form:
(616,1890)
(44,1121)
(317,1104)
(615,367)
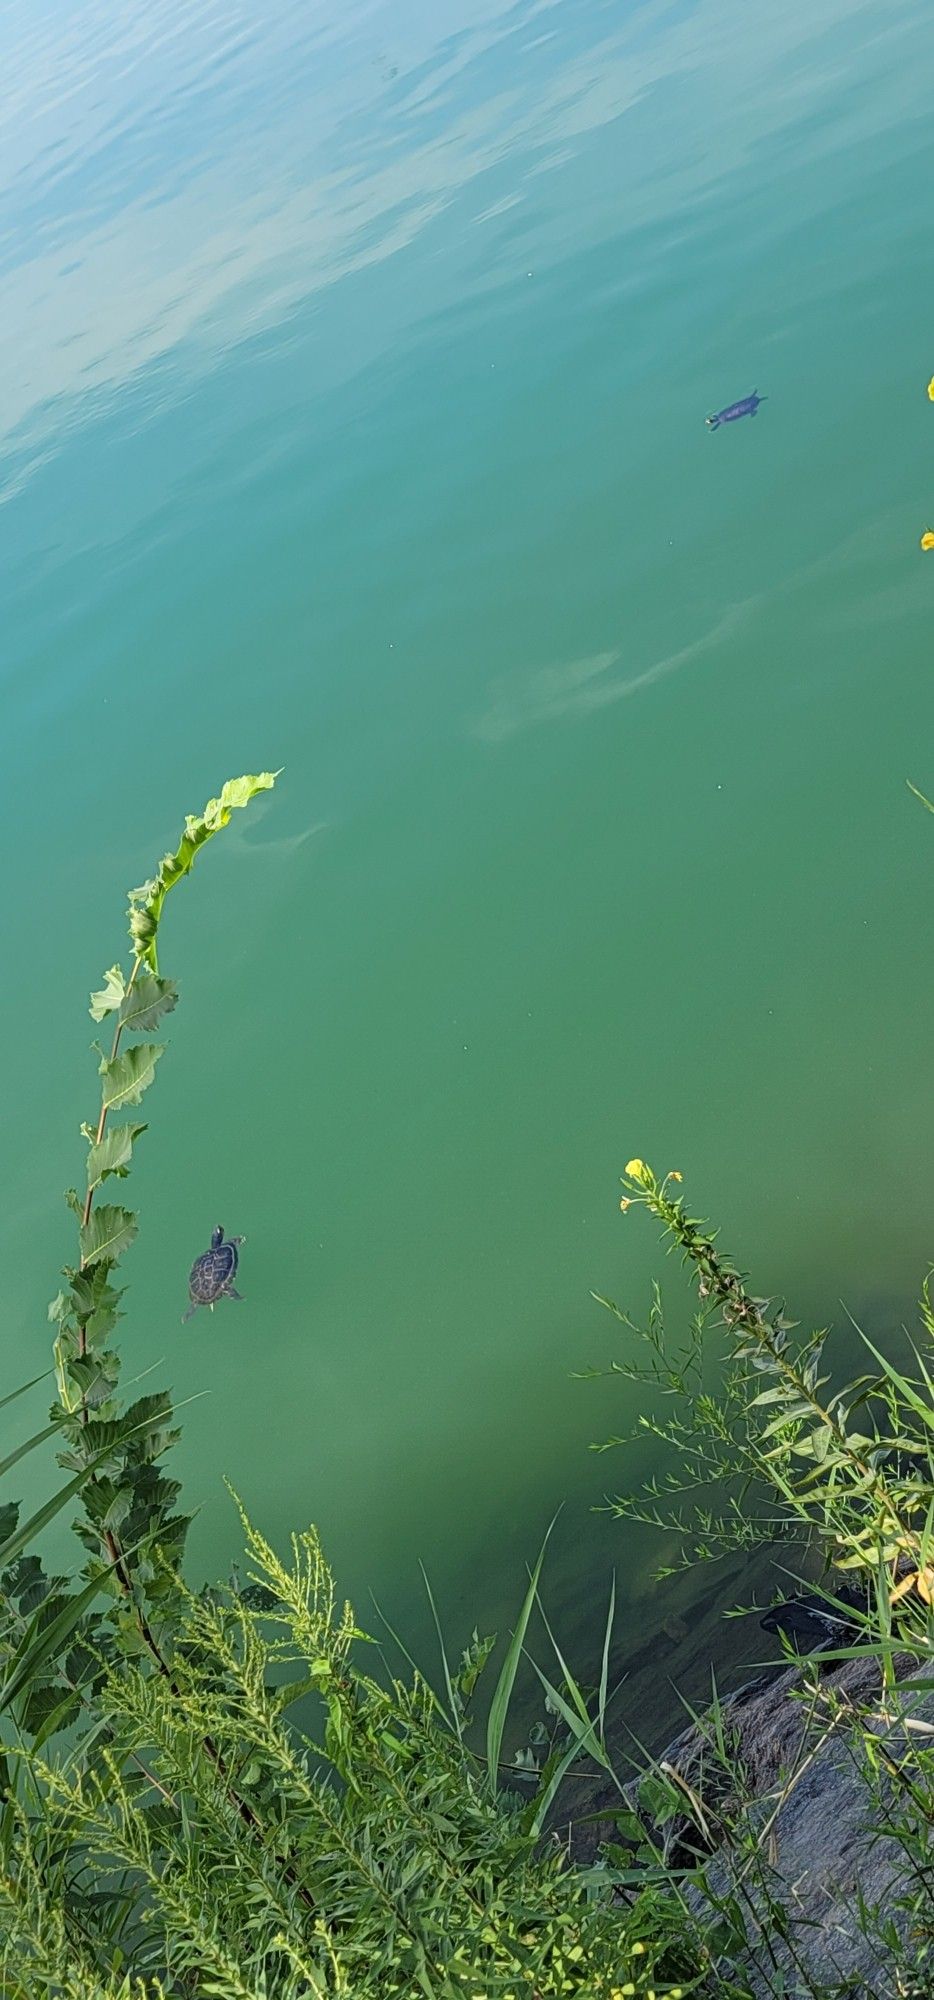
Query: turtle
(212,1274)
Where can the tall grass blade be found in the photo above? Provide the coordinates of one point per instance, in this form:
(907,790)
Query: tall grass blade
(37,1647)
(30,1445)
(502,1693)
(455,1715)
(605,1662)
(24,1388)
(16,1542)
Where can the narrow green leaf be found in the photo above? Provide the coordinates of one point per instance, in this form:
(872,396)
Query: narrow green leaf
(15,1543)
(569,1681)
(130,1074)
(550,1787)
(114,1153)
(64,1712)
(921,1409)
(110,995)
(455,1718)
(502,1693)
(108,1233)
(146,1003)
(30,1445)
(36,1647)
(24,1387)
(582,1729)
(605,1661)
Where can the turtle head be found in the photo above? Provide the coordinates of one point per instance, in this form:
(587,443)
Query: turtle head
(217,1238)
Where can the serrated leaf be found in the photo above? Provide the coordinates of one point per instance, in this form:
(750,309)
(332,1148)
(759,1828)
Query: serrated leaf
(72,1201)
(58,1307)
(130,1074)
(146,1002)
(85,1372)
(92,1290)
(114,1153)
(107,1234)
(97,1328)
(110,995)
(145,903)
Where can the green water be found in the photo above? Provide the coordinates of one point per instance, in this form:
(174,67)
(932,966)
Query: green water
(354,369)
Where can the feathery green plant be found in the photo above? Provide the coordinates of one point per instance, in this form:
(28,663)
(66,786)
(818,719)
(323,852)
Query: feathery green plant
(848,1470)
(167,1827)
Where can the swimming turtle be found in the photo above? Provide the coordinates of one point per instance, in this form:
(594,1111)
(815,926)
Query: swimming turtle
(212,1274)
(746,407)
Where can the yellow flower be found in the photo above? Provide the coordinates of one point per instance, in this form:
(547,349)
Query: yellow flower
(625,1203)
(927,540)
(635,1169)
(674,1175)
(931,388)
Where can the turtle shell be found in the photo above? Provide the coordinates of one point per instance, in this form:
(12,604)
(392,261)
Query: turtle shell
(211,1272)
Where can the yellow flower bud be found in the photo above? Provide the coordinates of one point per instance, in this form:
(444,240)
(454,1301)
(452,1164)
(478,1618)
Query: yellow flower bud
(674,1175)
(931,388)
(625,1203)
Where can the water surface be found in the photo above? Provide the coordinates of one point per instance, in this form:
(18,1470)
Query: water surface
(353,369)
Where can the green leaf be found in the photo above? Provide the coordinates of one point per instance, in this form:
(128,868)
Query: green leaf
(146,1002)
(114,1153)
(452,1704)
(24,1387)
(22,1535)
(40,1645)
(502,1693)
(145,903)
(605,1660)
(581,1728)
(91,1291)
(126,1078)
(552,1779)
(30,1445)
(93,1382)
(110,995)
(107,1234)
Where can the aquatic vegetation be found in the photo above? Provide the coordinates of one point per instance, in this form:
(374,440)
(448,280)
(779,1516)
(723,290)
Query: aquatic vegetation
(229,1792)
(224,1791)
(847,1471)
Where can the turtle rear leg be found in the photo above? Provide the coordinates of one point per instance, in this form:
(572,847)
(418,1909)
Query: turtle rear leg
(229,1292)
(190,1313)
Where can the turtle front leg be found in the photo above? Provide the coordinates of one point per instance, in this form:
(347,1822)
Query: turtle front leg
(229,1292)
